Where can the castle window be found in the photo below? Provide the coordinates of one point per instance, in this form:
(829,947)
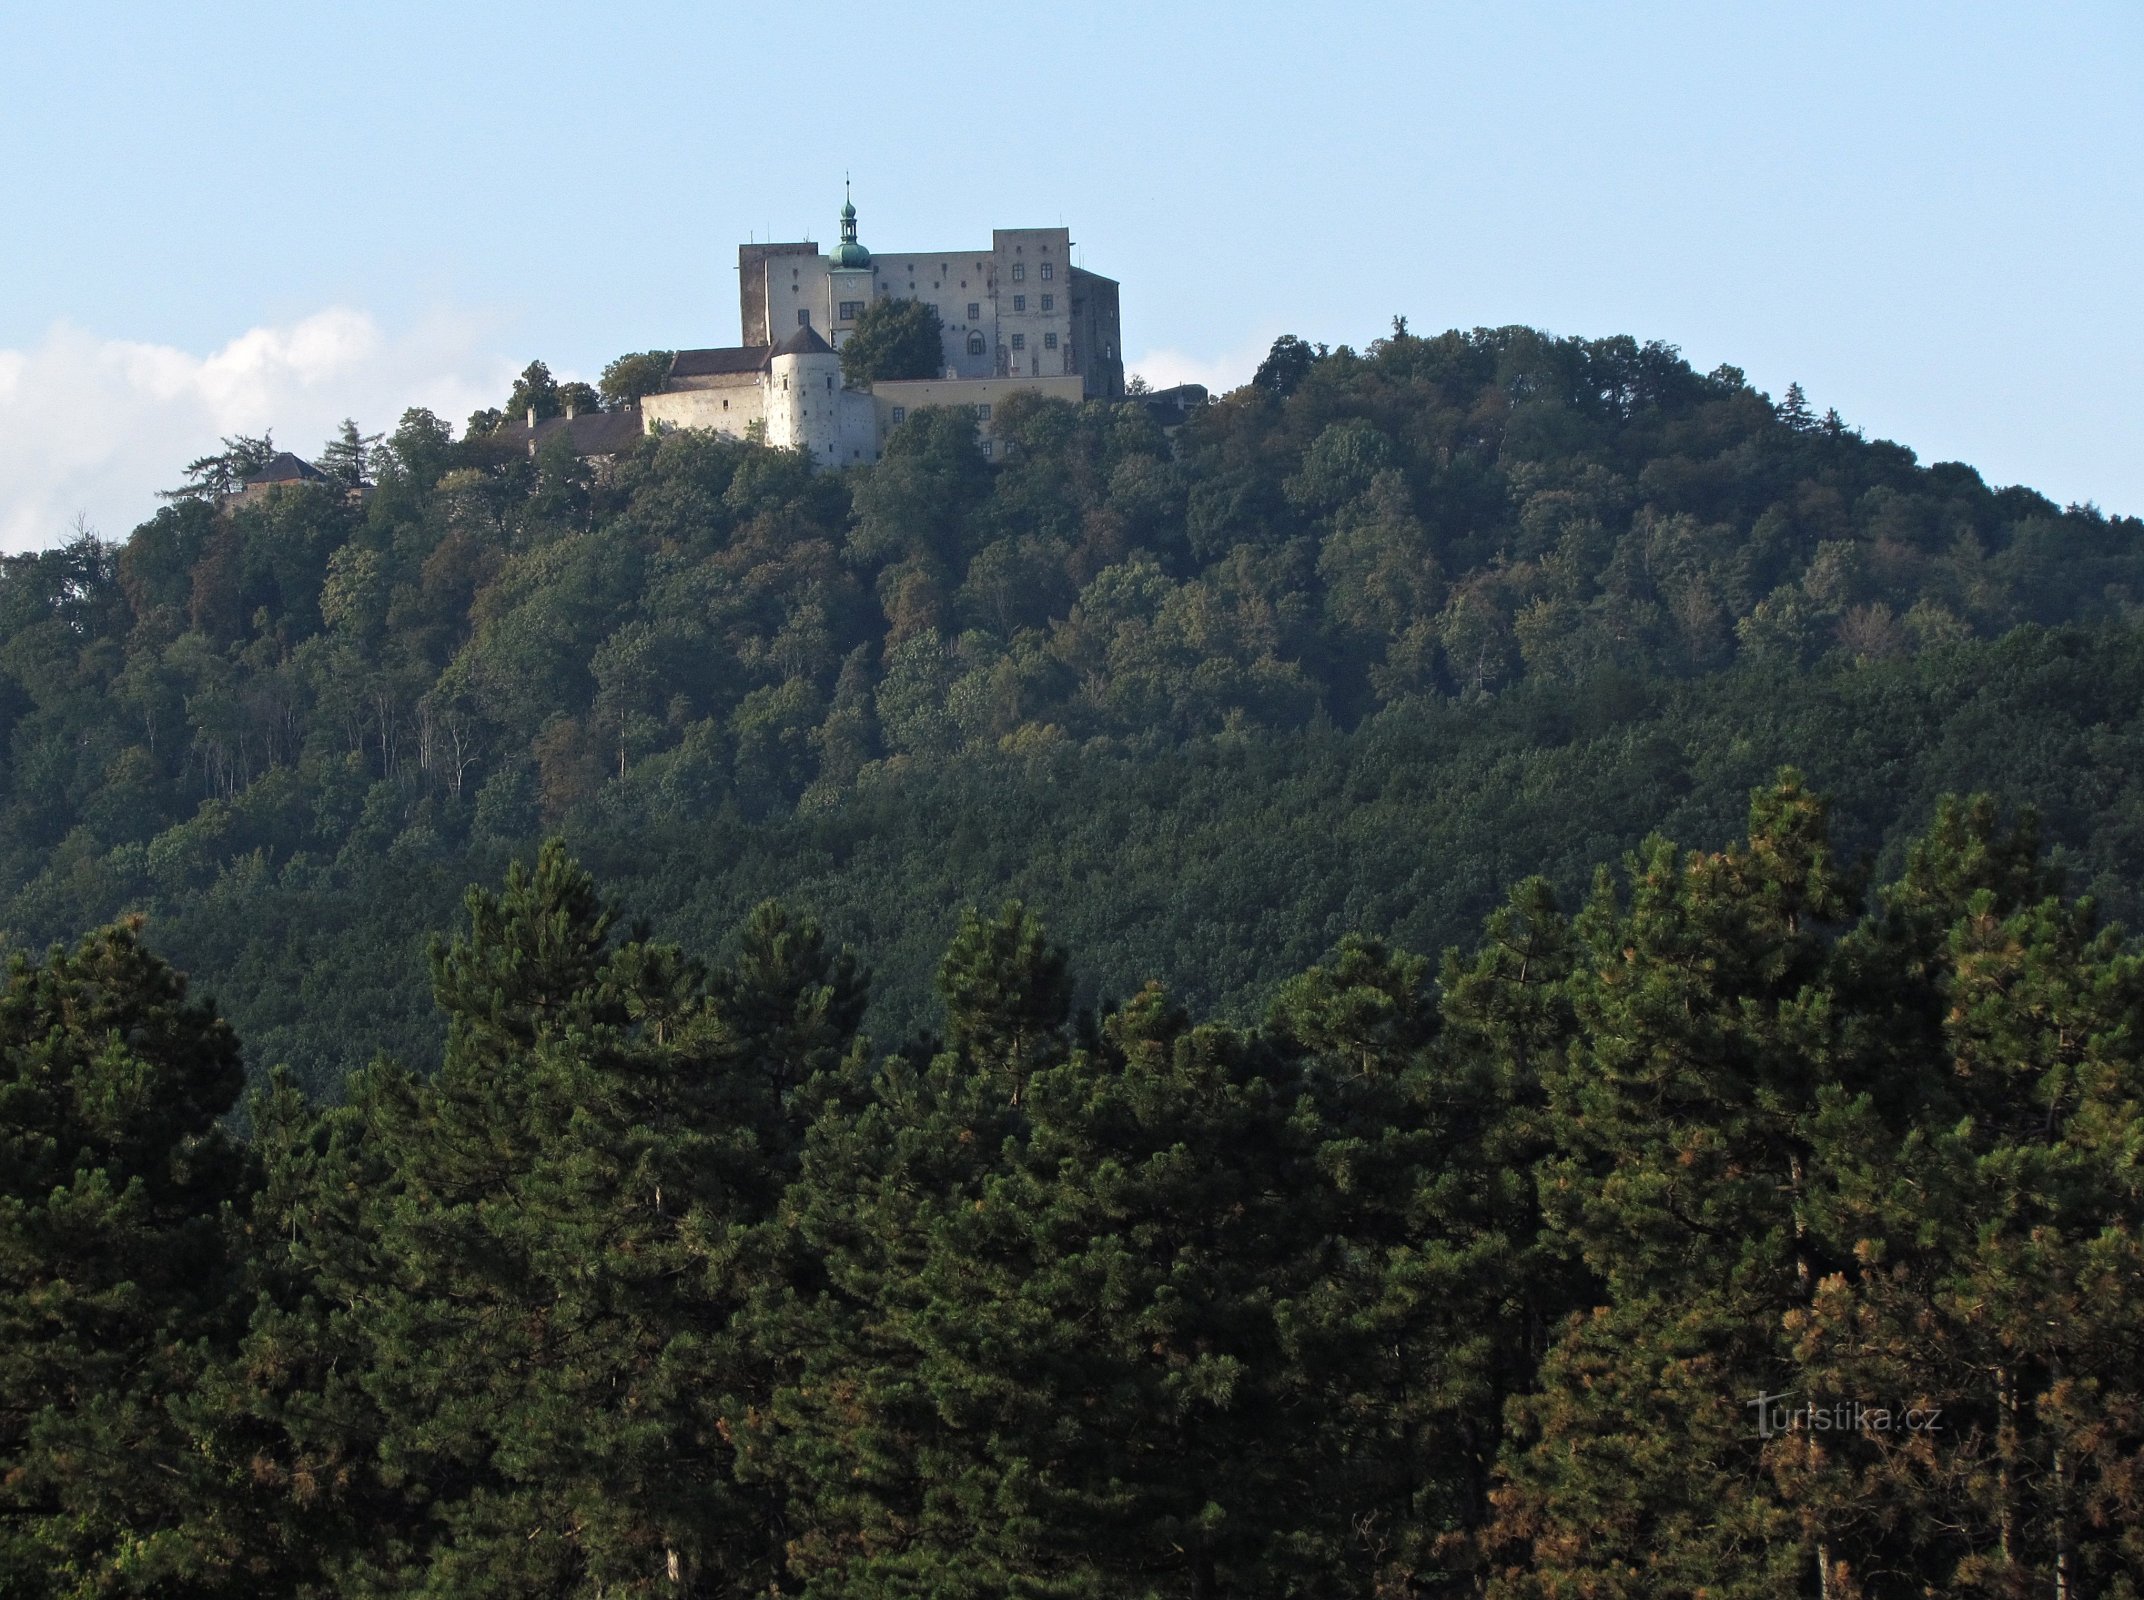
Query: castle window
(803,316)
(1049,302)
(1049,341)
(851,310)
(1049,271)
(900,415)
(975,344)
(986,448)
(1019,272)
(830,380)
(982,413)
(1019,341)
(975,311)
(1019,302)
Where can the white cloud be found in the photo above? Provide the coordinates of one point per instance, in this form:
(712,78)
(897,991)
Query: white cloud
(93,426)
(1164,369)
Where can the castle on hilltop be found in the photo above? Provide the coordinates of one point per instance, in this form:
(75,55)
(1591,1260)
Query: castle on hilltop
(1018,318)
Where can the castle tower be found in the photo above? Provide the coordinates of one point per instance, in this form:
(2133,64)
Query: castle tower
(804,396)
(850,276)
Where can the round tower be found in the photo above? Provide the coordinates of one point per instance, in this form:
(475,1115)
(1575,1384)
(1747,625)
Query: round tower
(804,396)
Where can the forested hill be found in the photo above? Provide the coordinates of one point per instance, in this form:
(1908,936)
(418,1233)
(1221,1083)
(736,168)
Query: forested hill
(1354,648)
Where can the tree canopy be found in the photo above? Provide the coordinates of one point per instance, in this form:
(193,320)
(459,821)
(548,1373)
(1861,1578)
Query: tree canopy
(894,338)
(1729,1229)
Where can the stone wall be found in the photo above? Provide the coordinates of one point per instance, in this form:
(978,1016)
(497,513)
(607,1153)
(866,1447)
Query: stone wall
(726,405)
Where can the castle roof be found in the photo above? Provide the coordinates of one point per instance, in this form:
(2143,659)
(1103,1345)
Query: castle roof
(718,363)
(283,467)
(592,433)
(804,342)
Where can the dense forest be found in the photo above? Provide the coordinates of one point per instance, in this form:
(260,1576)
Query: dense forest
(1347,652)
(1411,1175)
(1730,1232)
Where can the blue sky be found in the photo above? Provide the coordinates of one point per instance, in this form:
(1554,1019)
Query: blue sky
(225,217)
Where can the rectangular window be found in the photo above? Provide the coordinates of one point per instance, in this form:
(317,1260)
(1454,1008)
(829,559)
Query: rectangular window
(1019,302)
(1019,272)
(803,316)
(1049,271)
(1019,341)
(975,311)
(1049,341)
(986,447)
(1049,302)
(851,310)
(982,413)
(900,415)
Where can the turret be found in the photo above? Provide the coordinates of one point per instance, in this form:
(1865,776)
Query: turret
(804,396)
(848,254)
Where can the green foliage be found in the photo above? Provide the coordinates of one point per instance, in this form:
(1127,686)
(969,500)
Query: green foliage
(534,391)
(347,458)
(1457,1284)
(116,1265)
(211,477)
(629,377)
(894,338)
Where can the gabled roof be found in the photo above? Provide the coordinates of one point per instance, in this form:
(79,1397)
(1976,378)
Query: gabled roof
(283,467)
(718,363)
(804,342)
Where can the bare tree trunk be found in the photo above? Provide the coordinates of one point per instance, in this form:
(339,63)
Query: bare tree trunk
(2006,1452)
(2065,1589)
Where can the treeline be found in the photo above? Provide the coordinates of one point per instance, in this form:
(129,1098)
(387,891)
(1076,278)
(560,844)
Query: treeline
(1454,1280)
(491,643)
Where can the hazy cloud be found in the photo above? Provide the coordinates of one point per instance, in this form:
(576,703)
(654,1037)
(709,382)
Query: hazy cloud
(93,426)
(1164,369)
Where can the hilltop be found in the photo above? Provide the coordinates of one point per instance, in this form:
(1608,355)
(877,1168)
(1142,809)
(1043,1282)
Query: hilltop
(1347,650)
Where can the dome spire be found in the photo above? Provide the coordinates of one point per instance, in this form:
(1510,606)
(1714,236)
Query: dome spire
(849,253)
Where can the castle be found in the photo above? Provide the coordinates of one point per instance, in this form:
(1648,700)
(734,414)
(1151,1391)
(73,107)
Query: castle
(1018,318)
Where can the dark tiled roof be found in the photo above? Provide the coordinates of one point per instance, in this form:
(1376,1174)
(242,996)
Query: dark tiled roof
(593,433)
(804,342)
(283,467)
(718,363)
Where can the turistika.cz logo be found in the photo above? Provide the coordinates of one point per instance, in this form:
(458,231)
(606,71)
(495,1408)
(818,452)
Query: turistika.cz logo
(1776,1414)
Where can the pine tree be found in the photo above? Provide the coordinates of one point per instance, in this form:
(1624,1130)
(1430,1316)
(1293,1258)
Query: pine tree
(117,1277)
(1681,1116)
(1161,1207)
(1992,1245)
(550,1346)
(876,1431)
(347,458)
(286,1420)
(213,477)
